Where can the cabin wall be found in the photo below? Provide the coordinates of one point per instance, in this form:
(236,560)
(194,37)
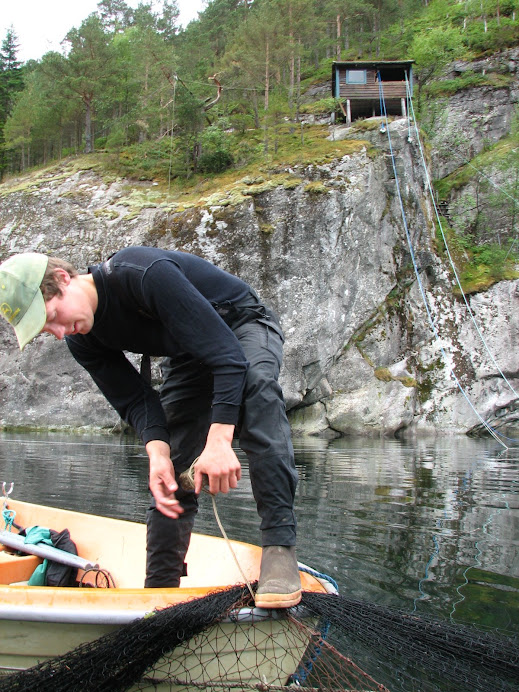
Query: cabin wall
(369,90)
(393,82)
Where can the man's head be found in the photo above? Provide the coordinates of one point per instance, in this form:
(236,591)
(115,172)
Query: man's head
(27,282)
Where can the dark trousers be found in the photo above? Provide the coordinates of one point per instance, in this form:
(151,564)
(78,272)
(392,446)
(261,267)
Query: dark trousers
(264,435)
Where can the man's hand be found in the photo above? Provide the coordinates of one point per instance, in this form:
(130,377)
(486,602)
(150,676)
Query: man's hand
(162,479)
(218,461)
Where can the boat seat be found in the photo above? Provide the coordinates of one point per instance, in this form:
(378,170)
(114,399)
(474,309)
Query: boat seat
(16,568)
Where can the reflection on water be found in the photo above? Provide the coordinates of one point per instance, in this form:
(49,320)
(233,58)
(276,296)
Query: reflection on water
(428,527)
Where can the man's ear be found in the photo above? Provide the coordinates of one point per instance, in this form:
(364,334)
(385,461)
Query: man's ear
(62,276)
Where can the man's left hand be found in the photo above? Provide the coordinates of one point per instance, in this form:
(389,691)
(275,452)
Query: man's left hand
(218,461)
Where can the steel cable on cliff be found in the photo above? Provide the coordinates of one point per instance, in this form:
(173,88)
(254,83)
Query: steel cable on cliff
(440,226)
(484,423)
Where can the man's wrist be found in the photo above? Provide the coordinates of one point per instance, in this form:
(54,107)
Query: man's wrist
(157,449)
(221,431)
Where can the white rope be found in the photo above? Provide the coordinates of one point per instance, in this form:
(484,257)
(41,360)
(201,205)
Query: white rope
(420,284)
(187,480)
(451,261)
(484,175)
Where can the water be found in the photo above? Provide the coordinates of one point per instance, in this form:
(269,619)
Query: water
(431,527)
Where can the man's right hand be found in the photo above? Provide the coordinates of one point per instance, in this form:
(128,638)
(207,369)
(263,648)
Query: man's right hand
(162,479)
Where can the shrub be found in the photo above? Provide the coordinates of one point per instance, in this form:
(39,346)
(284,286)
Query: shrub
(215,161)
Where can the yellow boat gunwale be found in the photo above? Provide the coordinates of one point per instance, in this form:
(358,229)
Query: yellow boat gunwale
(209,560)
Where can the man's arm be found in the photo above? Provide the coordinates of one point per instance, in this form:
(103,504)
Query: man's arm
(136,401)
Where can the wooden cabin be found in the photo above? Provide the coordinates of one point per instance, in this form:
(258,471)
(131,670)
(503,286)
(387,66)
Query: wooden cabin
(357,84)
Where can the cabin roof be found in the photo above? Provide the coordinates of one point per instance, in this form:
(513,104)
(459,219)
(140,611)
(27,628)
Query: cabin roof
(371,63)
(367,64)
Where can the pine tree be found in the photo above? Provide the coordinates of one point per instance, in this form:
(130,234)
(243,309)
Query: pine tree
(11,82)
(87,70)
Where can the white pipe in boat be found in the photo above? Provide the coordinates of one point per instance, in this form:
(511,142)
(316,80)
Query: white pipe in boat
(13,540)
(69,615)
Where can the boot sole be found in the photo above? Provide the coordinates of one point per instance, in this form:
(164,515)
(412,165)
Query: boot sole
(277,600)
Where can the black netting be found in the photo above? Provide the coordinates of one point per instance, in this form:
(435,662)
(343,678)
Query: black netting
(328,643)
(409,652)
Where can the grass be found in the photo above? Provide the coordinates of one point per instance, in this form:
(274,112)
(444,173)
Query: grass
(267,159)
(478,266)
(494,155)
(263,158)
(468,80)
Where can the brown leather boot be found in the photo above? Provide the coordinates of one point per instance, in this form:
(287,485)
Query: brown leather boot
(279,583)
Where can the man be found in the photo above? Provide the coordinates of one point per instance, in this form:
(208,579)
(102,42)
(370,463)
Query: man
(222,353)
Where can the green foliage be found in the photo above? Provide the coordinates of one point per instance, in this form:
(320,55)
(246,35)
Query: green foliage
(503,154)
(468,80)
(215,161)
(321,107)
(132,75)
(11,83)
(493,36)
(483,211)
(150,160)
(486,265)
(478,266)
(216,156)
(433,49)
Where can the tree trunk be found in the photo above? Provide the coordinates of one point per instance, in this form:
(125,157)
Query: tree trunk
(255,109)
(292,60)
(267,76)
(298,82)
(89,147)
(338,45)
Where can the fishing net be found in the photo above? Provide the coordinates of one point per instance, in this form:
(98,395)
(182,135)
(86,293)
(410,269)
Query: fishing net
(327,643)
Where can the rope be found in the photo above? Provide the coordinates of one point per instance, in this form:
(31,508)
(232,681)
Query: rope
(319,575)
(109,581)
(8,515)
(187,481)
(429,186)
(491,431)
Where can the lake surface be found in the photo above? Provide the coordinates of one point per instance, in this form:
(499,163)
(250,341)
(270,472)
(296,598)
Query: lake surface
(430,527)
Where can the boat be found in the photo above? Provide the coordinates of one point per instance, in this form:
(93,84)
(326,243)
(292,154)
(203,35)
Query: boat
(40,623)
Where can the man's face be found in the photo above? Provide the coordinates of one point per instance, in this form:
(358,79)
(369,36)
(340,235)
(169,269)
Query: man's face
(69,313)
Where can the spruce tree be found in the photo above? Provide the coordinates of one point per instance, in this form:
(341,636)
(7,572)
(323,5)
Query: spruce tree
(11,82)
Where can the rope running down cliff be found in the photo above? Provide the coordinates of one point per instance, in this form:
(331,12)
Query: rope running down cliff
(485,424)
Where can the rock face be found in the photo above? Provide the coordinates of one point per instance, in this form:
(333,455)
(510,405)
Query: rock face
(463,124)
(376,341)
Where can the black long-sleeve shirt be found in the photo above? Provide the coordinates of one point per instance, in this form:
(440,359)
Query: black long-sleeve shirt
(161,303)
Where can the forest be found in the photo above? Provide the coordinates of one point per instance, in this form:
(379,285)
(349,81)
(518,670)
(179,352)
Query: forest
(165,102)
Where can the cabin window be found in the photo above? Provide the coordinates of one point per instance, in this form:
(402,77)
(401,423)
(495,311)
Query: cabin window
(355,76)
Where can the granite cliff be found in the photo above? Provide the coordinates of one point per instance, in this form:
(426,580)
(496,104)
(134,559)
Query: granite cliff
(377,340)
